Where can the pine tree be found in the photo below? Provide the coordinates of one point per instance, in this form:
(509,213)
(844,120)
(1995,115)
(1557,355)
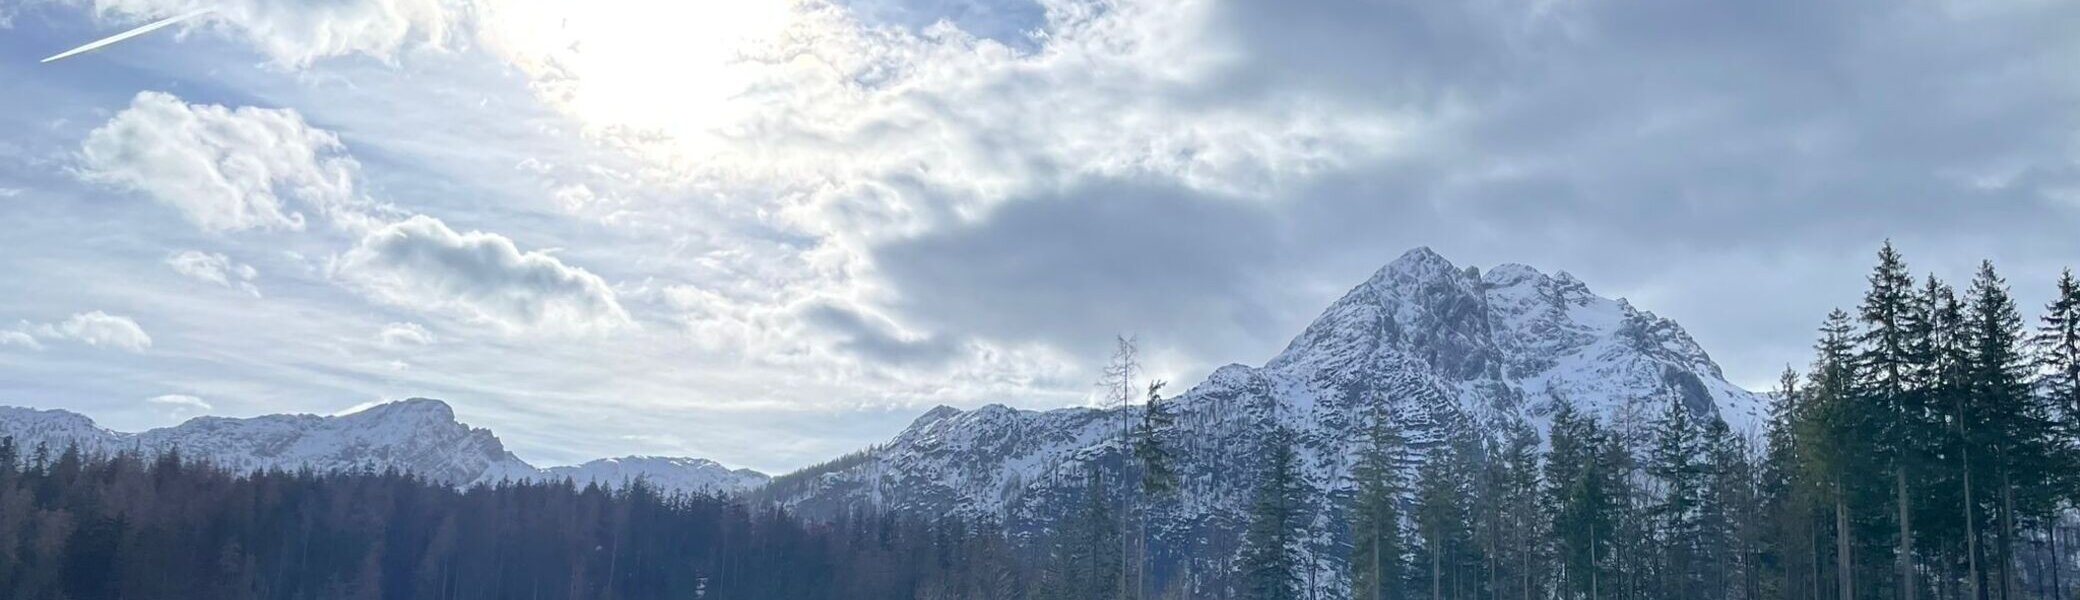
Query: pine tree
(1085,562)
(2057,344)
(1377,562)
(1724,548)
(1674,464)
(1832,433)
(1271,562)
(2012,421)
(1443,515)
(1520,557)
(1158,473)
(1894,431)
(1787,546)
(1578,496)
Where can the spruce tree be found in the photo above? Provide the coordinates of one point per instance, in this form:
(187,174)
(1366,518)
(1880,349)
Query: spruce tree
(1084,562)
(2012,421)
(1377,561)
(1578,496)
(1890,414)
(2057,343)
(1673,462)
(1520,556)
(1271,563)
(1158,472)
(1832,433)
(1787,549)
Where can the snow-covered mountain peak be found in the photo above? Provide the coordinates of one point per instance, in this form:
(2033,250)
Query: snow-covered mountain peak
(419,436)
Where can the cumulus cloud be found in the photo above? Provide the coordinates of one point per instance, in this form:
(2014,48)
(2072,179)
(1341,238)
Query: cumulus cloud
(96,328)
(180,402)
(398,335)
(223,169)
(215,268)
(422,263)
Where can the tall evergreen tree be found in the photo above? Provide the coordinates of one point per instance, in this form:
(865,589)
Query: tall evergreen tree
(1673,463)
(2011,421)
(1891,413)
(1084,562)
(1378,553)
(1579,498)
(1520,556)
(1158,473)
(1271,560)
(2057,343)
(1832,433)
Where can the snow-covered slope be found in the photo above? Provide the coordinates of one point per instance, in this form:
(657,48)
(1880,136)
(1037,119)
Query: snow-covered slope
(1441,348)
(419,436)
(667,472)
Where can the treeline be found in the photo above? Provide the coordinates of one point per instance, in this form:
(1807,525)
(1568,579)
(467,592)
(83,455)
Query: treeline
(78,527)
(1929,451)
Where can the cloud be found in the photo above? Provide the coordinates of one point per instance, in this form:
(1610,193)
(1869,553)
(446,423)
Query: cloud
(297,33)
(223,169)
(215,268)
(876,338)
(180,402)
(97,329)
(398,335)
(19,338)
(421,263)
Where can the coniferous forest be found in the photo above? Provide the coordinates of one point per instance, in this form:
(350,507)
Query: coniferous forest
(1930,449)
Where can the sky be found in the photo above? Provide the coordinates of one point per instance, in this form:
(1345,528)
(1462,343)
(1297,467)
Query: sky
(771,232)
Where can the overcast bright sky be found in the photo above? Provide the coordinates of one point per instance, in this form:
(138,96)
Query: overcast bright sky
(769,232)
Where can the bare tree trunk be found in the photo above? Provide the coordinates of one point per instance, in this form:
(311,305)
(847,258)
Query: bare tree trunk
(1437,571)
(1907,583)
(1973,580)
(2058,586)
(2009,583)
(1844,564)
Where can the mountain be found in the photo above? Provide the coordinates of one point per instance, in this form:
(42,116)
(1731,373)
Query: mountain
(667,472)
(419,436)
(1444,350)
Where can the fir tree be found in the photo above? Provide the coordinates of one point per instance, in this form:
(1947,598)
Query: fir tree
(1271,562)
(1377,567)
(1677,515)
(1579,499)
(2011,421)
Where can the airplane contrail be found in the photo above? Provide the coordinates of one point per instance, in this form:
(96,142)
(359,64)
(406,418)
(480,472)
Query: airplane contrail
(147,28)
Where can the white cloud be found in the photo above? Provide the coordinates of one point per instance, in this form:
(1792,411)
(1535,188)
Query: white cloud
(297,33)
(398,335)
(97,329)
(180,402)
(215,268)
(19,338)
(421,263)
(224,169)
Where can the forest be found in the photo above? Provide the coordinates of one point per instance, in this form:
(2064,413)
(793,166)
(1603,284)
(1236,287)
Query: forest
(1930,449)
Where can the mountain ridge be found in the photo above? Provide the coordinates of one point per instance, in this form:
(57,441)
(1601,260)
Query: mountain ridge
(415,435)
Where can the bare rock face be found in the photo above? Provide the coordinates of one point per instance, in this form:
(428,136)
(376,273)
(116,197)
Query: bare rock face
(1442,349)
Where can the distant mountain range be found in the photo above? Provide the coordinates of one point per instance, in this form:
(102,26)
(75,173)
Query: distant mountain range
(1443,349)
(419,436)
